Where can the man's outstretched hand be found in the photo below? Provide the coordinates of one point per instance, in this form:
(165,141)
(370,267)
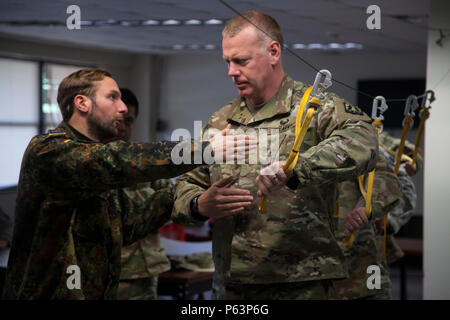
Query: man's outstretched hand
(219,201)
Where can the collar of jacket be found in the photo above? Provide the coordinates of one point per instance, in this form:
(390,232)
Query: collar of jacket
(279,104)
(73,133)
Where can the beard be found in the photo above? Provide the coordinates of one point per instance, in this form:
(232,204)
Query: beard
(103,130)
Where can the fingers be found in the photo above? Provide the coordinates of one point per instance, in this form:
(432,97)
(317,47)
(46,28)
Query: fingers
(281,175)
(225,131)
(235,192)
(223,183)
(362,215)
(352,225)
(233,205)
(263,185)
(272,178)
(228,148)
(355,220)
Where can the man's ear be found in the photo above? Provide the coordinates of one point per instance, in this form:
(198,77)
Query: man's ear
(82,103)
(274,51)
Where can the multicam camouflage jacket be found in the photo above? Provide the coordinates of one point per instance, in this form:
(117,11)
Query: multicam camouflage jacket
(145,257)
(293,239)
(386,194)
(70,210)
(401,214)
(404,210)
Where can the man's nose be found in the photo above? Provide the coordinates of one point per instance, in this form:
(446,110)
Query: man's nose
(233,70)
(122,107)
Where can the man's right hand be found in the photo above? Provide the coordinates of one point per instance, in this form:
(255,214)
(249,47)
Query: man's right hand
(231,147)
(219,201)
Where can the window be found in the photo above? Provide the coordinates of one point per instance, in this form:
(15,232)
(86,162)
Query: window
(28,91)
(19,114)
(52,76)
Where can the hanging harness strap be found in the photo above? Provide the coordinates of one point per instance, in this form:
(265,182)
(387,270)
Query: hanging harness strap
(310,105)
(424,115)
(367,195)
(408,121)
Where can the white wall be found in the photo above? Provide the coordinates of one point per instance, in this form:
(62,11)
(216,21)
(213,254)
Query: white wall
(437,154)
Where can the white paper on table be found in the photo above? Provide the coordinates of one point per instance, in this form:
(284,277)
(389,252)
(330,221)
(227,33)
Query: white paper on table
(181,248)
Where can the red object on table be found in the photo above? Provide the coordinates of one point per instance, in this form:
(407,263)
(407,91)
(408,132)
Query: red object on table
(173,231)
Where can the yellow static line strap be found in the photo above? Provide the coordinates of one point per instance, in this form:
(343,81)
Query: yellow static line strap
(425,113)
(367,195)
(336,210)
(408,120)
(300,132)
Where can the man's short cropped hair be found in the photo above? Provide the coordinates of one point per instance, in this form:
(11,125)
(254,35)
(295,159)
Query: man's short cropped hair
(78,82)
(263,22)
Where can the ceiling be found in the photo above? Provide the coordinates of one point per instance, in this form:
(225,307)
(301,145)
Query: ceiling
(403,23)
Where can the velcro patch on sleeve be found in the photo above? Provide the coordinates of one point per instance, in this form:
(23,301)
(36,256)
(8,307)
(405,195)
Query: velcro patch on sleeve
(346,110)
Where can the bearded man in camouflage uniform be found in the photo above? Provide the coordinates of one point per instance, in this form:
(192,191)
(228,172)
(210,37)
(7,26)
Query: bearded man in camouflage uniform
(71,216)
(143,260)
(289,250)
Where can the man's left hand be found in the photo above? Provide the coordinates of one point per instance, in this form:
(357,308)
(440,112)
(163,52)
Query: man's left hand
(272,178)
(355,220)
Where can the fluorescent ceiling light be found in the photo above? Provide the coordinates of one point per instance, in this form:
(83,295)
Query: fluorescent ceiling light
(315,46)
(351,45)
(171,22)
(298,46)
(150,22)
(213,21)
(336,46)
(192,22)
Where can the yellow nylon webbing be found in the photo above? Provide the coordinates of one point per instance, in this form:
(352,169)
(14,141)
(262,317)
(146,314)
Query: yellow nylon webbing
(300,132)
(366,195)
(408,121)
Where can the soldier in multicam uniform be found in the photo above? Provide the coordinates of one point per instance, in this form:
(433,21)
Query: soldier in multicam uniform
(392,195)
(402,213)
(386,195)
(289,250)
(143,260)
(70,210)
